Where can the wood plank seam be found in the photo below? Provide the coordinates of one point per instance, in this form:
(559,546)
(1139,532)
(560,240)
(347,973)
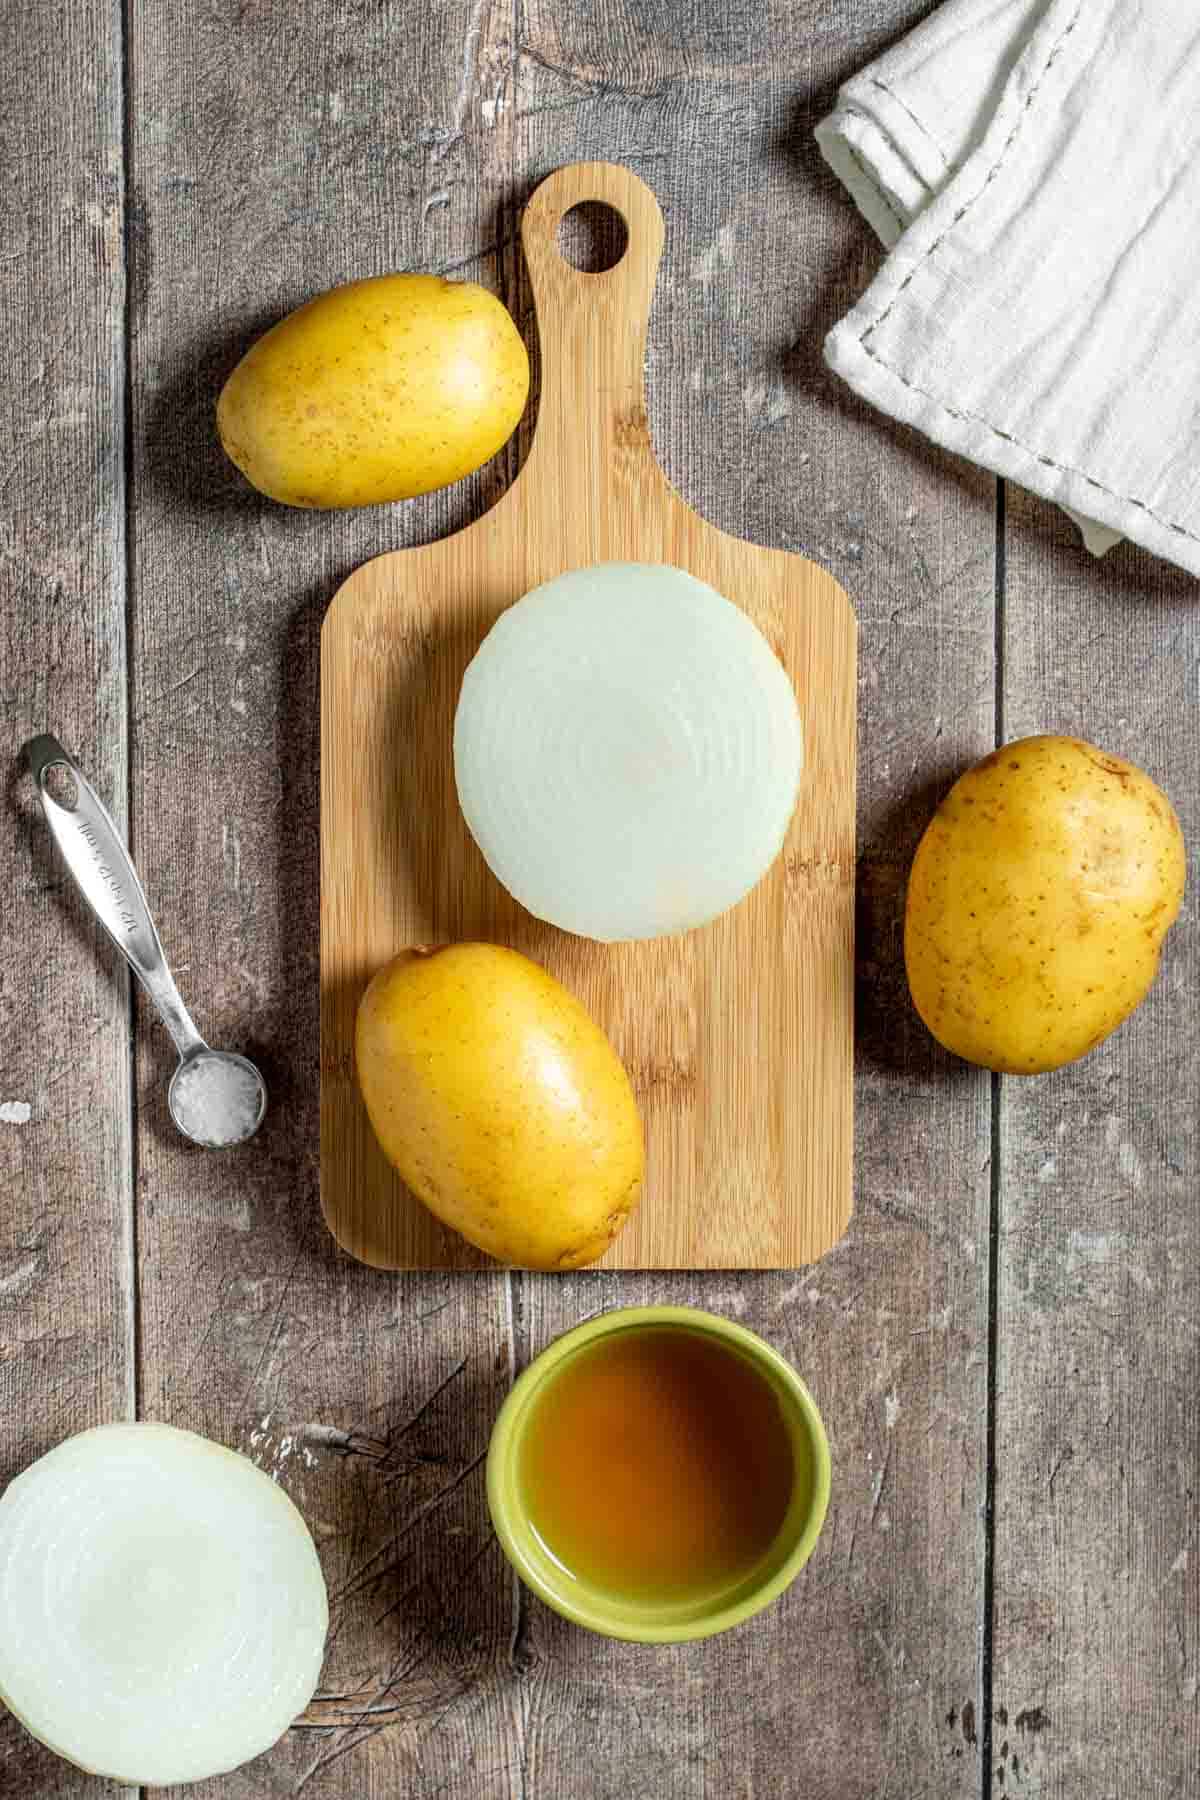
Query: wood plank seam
(992,1324)
(124,510)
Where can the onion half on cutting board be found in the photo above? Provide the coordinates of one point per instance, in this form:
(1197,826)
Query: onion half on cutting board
(627,750)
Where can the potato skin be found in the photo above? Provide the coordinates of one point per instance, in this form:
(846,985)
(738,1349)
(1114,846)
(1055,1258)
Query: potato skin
(376,391)
(1038,902)
(502,1104)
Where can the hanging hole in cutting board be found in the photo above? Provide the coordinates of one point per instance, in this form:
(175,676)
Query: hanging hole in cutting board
(592,237)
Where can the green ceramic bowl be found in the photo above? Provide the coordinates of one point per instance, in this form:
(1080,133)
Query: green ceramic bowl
(618,1616)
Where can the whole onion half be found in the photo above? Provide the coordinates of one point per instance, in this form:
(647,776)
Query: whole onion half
(162,1609)
(627,750)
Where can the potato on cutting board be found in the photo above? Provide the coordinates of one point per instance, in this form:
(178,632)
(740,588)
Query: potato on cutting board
(1038,902)
(501,1103)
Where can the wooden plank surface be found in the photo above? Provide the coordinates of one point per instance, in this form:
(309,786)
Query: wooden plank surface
(906,1649)
(864,1681)
(275,153)
(66,1269)
(1097,1653)
(272,153)
(738,1038)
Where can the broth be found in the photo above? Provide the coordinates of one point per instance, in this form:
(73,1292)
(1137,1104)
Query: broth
(656,1464)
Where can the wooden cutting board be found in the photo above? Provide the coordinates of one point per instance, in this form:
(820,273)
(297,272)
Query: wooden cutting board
(739,1037)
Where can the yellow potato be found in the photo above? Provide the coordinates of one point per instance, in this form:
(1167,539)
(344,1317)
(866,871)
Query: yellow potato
(1038,902)
(376,391)
(501,1103)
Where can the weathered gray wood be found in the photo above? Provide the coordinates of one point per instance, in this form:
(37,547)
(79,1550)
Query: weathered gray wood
(65,1254)
(865,1680)
(1097,1542)
(275,153)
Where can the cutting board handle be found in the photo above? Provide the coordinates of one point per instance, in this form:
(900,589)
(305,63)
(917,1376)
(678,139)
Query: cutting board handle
(592,328)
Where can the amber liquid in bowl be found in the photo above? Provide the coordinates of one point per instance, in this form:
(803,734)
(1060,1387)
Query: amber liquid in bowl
(656,1465)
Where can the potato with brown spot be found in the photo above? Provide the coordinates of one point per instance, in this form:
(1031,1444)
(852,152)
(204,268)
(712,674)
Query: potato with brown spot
(1038,902)
(501,1102)
(376,391)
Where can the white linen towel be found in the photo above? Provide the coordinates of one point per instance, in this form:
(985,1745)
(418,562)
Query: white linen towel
(1034,168)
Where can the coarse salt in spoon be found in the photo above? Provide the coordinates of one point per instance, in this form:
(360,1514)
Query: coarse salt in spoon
(216,1097)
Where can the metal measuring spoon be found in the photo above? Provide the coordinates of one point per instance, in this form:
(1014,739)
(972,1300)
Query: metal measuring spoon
(216,1097)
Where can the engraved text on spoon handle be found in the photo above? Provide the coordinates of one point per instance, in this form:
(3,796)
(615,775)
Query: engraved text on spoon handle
(99,862)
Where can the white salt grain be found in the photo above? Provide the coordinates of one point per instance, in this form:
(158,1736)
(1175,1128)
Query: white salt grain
(216,1099)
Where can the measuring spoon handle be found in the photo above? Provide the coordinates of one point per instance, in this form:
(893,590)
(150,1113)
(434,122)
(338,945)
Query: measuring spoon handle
(92,849)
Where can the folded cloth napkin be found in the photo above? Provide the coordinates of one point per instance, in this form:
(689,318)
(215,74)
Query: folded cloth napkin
(1034,168)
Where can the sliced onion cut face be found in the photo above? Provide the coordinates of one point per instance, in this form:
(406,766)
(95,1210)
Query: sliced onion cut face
(162,1609)
(627,750)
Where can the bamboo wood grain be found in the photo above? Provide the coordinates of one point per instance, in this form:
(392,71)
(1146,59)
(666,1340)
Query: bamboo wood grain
(739,1038)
